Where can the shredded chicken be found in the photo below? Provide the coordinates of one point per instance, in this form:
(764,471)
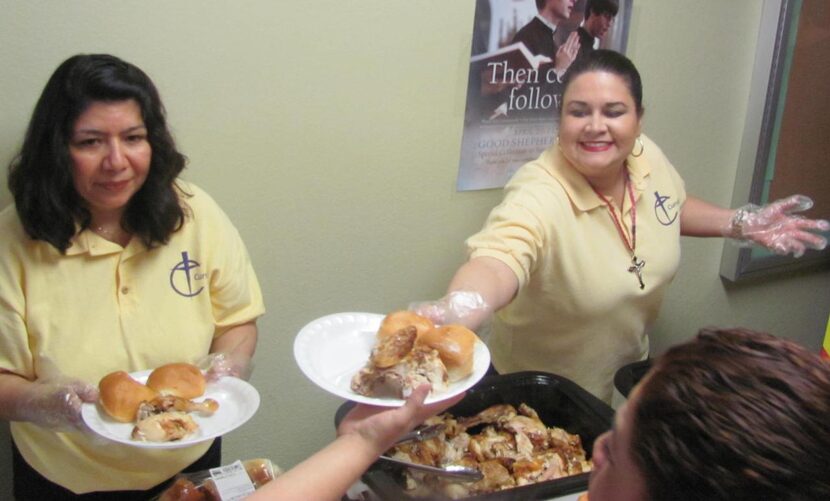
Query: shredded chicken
(513,448)
(164,427)
(166,403)
(395,368)
(166,418)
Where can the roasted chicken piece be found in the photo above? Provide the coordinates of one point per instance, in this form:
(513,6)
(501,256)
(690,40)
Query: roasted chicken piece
(421,365)
(164,427)
(491,415)
(166,403)
(513,448)
(496,477)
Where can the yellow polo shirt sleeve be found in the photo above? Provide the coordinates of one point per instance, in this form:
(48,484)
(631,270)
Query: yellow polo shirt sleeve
(15,356)
(516,232)
(235,294)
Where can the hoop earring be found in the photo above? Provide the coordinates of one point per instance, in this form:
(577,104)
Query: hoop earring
(642,148)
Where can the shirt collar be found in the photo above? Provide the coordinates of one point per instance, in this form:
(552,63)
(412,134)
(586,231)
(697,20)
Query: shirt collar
(577,187)
(89,242)
(547,23)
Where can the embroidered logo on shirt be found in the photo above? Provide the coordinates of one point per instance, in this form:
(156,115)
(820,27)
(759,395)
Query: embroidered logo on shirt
(665,210)
(184,277)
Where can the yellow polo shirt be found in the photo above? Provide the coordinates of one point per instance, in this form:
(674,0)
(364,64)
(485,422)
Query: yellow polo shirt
(579,312)
(102,308)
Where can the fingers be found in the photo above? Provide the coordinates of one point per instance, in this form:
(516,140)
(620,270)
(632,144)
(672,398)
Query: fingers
(573,40)
(791,204)
(782,248)
(810,240)
(438,407)
(419,412)
(796,243)
(813,224)
(85,392)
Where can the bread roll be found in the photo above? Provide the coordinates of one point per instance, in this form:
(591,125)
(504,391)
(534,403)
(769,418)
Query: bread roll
(179,379)
(455,345)
(402,319)
(120,396)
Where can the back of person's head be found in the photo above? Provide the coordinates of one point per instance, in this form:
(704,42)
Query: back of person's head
(734,415)
(609,61)
(601,7)
(40,176)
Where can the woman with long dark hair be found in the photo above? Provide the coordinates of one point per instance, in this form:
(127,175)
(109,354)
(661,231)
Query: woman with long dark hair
(109,261)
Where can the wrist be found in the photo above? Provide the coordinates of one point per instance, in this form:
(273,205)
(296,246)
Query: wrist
(363,445)
(737,224)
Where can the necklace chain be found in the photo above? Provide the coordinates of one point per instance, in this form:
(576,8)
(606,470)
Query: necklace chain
(636,265)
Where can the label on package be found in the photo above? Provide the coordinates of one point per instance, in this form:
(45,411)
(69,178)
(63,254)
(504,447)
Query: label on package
(232,481)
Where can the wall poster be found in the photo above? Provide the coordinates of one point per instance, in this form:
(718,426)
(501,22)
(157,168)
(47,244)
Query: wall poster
(521,50)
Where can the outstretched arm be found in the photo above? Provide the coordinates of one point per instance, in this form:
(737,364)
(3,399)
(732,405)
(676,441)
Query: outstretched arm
(364,434)
(480,287)
(702,219)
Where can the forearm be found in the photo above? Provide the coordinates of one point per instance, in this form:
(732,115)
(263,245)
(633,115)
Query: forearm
(238,340)
(325,475)
(13,389)
(489,277)
(702,219)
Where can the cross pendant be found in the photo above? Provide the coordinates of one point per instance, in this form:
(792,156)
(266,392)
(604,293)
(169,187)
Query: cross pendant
(637,268)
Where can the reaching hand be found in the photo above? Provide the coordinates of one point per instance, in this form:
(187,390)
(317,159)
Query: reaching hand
(454,308)
(57,404)
(382,426)
(775,227)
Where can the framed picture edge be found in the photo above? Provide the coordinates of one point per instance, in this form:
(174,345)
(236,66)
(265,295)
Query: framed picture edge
(741,263)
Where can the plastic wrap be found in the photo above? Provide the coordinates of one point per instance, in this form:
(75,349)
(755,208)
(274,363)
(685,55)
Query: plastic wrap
(225,483)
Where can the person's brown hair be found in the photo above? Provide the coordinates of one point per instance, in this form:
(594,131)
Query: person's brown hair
(732,415)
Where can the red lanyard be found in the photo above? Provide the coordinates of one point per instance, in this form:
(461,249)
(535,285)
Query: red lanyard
(636,265)
(617,221)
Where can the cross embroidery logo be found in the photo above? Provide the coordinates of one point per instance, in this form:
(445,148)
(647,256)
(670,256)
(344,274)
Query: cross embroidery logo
(665,210)
(184,279)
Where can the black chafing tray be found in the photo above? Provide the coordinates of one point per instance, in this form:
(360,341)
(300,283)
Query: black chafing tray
(558,401)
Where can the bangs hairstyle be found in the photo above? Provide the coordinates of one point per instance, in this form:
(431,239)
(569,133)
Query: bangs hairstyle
(608,61)
(40,176)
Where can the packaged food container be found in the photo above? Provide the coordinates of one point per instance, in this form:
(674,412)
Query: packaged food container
(209,485)
(558,401)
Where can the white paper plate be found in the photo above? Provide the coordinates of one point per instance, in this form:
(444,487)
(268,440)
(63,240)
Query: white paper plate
(238,401)
(331,349)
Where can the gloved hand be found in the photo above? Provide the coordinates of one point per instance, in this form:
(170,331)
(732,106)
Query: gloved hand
(457,307)
(221,364)
(775,227)
(56,404)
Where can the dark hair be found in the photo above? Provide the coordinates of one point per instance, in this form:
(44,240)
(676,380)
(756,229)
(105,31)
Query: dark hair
(40,176)
(611,62)
(734,415)
(600,7)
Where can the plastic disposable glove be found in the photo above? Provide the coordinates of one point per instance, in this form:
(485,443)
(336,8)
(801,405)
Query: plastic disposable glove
(775,227)
(221,364)
(454,308)
(57,404)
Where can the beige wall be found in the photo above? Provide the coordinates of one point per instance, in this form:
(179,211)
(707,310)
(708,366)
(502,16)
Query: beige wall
(330,131)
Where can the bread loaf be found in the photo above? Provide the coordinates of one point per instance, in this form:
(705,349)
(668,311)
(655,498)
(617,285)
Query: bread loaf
(455,345)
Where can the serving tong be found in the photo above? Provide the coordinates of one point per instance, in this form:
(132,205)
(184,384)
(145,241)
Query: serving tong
(458,472)
(422,433)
